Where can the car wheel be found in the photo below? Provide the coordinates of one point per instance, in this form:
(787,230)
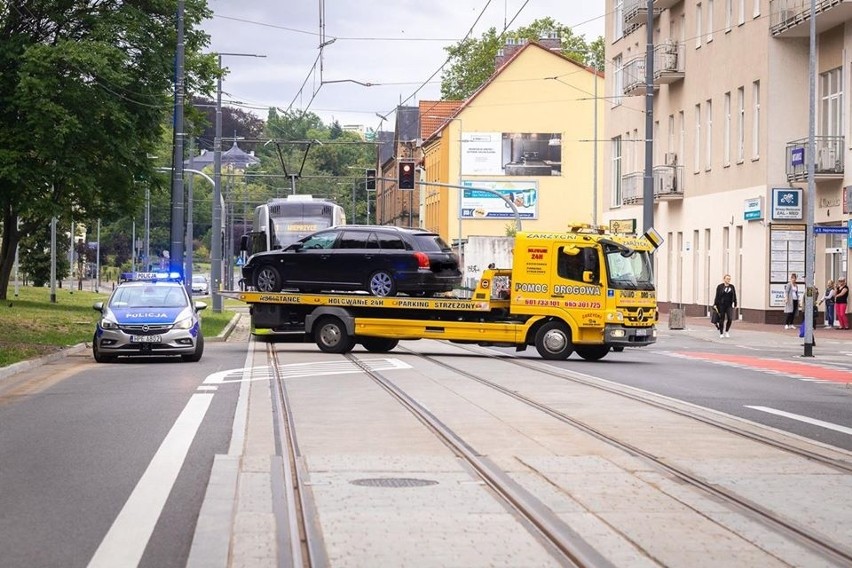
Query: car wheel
(553,341)
(199,350)
(99,356)
(382,284)
(268,279)
(379,344)
(592,352)
(331,336)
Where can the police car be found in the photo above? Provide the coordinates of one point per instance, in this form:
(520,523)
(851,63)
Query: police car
(148,313)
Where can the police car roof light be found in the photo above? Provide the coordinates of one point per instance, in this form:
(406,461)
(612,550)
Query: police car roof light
(151,277)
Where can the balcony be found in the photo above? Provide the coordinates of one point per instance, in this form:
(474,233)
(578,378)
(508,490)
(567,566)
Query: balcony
(829,162)
(788,18)
(668,185)
(668,68)
(636,14)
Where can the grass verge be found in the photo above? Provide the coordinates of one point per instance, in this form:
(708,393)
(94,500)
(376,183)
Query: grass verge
(32,326)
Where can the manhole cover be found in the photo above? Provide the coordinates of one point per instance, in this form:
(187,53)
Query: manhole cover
(394,482)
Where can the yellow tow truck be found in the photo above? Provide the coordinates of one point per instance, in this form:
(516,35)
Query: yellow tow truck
(583,291)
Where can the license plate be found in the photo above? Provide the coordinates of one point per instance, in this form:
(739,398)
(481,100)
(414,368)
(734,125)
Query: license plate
(641,332)
(146,338)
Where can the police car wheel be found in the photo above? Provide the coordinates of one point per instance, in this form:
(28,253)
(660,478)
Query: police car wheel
(331,336)
(268,279)
(592,352)
(99,356)
(382,284)
(379,344)
(199,350)
(553,341)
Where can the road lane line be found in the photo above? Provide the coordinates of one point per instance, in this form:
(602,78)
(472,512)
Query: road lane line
(125,542)
(813,421)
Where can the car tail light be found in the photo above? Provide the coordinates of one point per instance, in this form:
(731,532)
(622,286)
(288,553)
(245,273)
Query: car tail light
(422,260)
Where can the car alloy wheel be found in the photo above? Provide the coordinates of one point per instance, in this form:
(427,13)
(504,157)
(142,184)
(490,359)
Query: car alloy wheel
(268,279)
(382,284)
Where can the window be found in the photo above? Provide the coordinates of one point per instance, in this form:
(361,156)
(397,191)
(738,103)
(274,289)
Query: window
(571,266)
(726,150)
(740,12)
(698,25)
(729,14)
(697,148)
(353,240)
(618,20)
(616,171)
(831,103)
(709,21)
(708,161)
(755,120)
(320,240)
(618,84)
(756,10)
(681,135)
(390,242)
(670,143)
(740,124)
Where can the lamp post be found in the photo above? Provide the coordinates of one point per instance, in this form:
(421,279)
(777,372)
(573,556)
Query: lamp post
(216,240)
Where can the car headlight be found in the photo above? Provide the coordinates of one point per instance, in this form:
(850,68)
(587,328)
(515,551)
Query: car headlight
(185,323)
(108,324)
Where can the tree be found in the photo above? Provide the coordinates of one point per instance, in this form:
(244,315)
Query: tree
(473,61)
(85,88)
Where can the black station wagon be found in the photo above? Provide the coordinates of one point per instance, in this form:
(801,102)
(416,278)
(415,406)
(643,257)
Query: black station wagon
(381,260)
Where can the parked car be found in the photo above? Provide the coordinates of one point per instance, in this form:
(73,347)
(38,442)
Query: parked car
(200,284)
(148,314)
(381,260)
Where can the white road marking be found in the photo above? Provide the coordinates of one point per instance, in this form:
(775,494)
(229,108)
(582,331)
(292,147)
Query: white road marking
(128,536)
(815,422)
(312,369)
(207,388)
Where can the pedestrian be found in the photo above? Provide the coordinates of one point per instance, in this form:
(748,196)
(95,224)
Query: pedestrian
(828,299)
(791,301)
(840,299)
(725,302)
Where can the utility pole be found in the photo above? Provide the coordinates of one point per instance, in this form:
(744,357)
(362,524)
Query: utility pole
(810,253)
(176,250)
(648,179)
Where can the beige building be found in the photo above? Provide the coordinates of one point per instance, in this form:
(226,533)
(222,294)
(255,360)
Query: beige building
(730,152)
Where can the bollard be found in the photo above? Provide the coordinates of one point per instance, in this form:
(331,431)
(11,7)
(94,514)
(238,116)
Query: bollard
(676,318)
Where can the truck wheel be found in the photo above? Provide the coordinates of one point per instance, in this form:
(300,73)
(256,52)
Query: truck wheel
(379,344)
(96,352)
(553,341)
(331,336)
(199,350)
(268,279)
(382,284)
(592,352)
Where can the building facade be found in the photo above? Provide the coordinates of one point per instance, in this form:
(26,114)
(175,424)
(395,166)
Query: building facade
(730,146)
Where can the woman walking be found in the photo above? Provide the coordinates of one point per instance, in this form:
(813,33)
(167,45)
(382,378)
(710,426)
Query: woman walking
(828,298)
(840,300)
(791,301)
(725,302)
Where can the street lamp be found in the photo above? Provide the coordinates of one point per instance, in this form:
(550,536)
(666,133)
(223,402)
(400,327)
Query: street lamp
(216,241)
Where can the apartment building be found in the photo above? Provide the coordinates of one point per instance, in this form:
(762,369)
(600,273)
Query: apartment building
(730,151)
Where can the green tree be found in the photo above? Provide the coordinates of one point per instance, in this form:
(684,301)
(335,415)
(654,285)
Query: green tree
(473,61)
(85,89)
(35,256)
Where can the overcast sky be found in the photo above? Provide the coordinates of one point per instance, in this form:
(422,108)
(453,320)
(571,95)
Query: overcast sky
(396,45)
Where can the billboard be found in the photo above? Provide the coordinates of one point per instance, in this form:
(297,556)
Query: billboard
(511,154)
(478,204)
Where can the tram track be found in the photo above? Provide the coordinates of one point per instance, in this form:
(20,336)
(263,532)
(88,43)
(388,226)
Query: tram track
(299,533)
(815,542)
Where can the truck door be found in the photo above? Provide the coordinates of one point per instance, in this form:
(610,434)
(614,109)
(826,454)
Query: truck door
(578,283)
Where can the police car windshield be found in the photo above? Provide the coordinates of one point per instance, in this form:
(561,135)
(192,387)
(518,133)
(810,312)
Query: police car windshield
(149,296)
(629,269)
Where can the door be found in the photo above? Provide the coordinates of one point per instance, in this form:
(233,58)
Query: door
(308,265)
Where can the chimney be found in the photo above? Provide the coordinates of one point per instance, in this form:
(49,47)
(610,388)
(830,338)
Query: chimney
(512,45)
(551,42)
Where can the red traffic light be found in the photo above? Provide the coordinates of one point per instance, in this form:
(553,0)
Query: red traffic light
(406,175)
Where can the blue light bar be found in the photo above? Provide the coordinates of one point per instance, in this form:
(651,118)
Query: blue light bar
(151,277)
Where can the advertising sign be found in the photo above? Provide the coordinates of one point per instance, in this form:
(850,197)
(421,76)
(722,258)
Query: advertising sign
(478,204)
(753,209)
(787,204)
(511,154)
(797,156)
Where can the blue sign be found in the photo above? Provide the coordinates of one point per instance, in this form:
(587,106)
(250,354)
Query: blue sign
(797,157)
(829,230)
(849,236)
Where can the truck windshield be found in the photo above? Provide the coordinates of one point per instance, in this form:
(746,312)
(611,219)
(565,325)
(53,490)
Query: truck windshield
(629,269)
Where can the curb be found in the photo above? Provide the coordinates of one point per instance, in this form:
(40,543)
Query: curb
(22,366)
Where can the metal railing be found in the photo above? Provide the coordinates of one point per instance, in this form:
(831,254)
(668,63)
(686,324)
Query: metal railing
(829,162)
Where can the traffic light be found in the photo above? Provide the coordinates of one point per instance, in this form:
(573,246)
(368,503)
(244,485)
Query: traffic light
(371,180)
(406,175)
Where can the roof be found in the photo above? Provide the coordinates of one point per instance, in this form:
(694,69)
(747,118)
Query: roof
(407,124)
(530,45)
(234,157)
(433,115)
